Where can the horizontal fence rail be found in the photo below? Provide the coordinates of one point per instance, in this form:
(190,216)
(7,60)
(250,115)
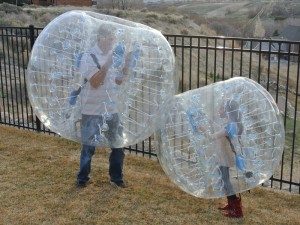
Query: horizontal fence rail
(200,61)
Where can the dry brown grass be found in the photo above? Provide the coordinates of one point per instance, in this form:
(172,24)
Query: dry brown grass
(38,187)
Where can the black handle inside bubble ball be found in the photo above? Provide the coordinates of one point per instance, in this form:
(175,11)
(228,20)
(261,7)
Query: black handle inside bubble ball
(95,61)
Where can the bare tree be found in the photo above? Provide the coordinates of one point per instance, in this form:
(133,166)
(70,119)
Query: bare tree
(121,4)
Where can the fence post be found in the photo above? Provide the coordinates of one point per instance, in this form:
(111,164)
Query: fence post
(32,39)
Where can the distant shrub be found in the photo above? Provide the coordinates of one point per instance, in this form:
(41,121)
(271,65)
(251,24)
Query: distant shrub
(120,4)
(144,10)
(46,18)
(280,18)
(106,11)
(120,13)
(279,12)
(270,28)
(152,15)
(172,18)
(171,10)
(9,20)
(148,21)
(3,22)
(276,33)
(184,31)
(254,12)
(197,19)
(222,28)
(32,6)
(9,8)
(229,11)
(13,2)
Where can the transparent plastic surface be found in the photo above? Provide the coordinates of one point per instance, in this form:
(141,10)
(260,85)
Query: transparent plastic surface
(100,80)
(221,139)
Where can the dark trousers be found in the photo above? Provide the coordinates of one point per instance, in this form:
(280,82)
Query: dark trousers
(115,164)
(227,184)
(90,128)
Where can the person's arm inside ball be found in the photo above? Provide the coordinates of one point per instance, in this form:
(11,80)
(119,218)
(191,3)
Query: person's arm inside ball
(98,78)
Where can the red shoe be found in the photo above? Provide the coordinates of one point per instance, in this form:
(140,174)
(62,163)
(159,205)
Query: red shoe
(225,207)
(235,209)
(230,202)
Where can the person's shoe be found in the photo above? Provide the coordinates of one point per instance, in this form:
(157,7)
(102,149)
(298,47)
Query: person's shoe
(120,184)
(225,207)
(229,205)
(235,210)
(81,184)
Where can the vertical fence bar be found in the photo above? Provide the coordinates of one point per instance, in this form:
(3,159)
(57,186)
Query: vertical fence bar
(175,45)
(259,63)
(150,147)
(143,148)
(5,74)
(19,76)
(190,67)
(24,78)
(39,124)
(32,39)
(285,109)
(223,60)
(174,48)
(14,75)
(278,72)
(277,91)
(198,63)
(215,60)
(295,123)
(136,149)
(3,95)
(182,64)
(10,80)
(232,57)
(206,61)
(250,60)
(269,64)
(241,61)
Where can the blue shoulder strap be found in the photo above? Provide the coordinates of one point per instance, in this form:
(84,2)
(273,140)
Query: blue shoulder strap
(78,60)
(192,121)
(118,55)
(231,130)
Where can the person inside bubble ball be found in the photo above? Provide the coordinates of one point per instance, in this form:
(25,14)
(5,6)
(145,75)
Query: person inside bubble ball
(227,140)
(100,121)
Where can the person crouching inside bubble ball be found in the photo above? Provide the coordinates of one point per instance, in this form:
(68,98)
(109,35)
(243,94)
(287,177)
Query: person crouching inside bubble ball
(228,140)
(100,122)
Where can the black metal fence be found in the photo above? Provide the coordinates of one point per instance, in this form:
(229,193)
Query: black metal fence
(200,60)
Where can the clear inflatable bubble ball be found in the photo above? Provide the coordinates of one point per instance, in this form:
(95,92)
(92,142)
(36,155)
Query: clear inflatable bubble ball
(221,139)
(100,80)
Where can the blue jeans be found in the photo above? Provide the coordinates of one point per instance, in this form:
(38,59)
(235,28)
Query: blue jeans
(116,158)
(90,133)
(115,164)
(226,179)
